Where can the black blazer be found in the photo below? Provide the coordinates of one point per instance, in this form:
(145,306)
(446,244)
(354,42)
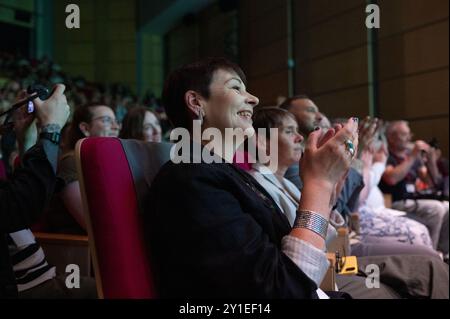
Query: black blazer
(21,201)
(214,232)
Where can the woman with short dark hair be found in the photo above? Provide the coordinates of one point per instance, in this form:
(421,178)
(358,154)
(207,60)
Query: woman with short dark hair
(213,231)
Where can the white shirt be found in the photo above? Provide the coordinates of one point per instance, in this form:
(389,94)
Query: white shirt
(375,198)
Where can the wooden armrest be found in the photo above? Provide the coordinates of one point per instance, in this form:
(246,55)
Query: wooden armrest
(354,222)
(63,249)
(387,200)
(62,239)
(331,258)
(342,231)
(341,244)
(329,281)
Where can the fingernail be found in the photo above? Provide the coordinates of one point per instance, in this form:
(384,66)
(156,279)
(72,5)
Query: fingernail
(355,119)
(316,128)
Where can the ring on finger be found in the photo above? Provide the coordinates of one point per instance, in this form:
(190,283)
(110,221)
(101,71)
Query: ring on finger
(350,147)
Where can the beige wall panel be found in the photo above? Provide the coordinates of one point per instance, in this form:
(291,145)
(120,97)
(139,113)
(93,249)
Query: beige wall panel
(415,96)
(123,30)
(344,103)
(77,69)
(60,51)
(84,34)
(399,15)
(269,59)
(182,45)
(335,72)
(121,72)
(80,53)
(124,53)
(86,8)
(105,40)
(428,129)
(268,28)
(334,35)
(417,51)
(121,10)
(268,88)
(255,9)
(312,12)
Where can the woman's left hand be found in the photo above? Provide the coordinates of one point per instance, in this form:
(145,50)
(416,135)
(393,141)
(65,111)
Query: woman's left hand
(327,158)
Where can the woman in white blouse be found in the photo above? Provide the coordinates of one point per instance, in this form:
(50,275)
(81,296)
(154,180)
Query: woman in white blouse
(285,194)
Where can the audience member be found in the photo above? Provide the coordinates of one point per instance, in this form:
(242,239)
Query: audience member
(287,196)
(24,196)
(65,213)
(307,115)
(141,124)
(230,239)
(378,221)
(404,167)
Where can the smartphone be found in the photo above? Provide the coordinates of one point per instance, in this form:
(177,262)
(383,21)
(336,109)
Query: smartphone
(30,107)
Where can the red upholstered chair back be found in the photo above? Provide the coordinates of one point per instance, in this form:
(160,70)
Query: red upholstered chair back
(3,176)
(110,199)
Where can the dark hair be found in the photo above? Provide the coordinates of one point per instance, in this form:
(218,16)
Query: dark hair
(132,123)
(286,105)
(270,117)
(82,114)
(196,76)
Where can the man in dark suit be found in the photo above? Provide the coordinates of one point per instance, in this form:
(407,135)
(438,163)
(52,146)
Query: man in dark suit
(308,117)
(23,197)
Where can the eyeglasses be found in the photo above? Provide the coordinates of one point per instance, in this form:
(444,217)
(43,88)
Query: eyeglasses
(107,120)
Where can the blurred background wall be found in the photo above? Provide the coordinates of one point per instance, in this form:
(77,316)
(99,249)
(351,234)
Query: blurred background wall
(318,47)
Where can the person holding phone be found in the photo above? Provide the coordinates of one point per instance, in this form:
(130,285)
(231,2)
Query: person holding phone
(404,167)
(24,196)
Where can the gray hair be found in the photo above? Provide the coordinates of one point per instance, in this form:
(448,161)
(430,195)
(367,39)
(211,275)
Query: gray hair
(392,126)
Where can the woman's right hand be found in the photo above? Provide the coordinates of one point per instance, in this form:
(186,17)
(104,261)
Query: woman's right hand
(325,163)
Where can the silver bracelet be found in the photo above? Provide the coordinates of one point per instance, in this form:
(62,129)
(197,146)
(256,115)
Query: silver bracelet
(313,221)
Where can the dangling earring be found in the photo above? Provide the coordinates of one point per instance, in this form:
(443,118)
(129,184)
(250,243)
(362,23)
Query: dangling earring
(200,116)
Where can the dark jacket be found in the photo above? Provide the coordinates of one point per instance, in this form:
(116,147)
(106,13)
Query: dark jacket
(214,232)
(21,201)
(348,199)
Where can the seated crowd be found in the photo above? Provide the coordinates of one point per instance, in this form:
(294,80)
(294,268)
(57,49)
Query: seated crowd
(251,226)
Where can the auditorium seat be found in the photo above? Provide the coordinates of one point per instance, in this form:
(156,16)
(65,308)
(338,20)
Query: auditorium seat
(64,249)
(3,176)
(114,175)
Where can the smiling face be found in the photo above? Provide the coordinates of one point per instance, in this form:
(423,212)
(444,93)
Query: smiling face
(229,104)
(103,123)
(151,129)
(307,115)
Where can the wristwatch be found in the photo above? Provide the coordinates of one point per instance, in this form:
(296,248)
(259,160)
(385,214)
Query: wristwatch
(53,137)
(313,221)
